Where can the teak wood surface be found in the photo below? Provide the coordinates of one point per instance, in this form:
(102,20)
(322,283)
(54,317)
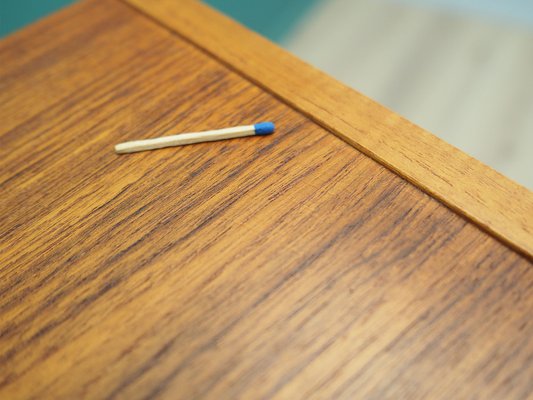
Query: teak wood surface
(494,202)
(288,267)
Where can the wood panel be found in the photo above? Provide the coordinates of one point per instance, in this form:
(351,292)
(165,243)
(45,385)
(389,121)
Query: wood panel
(466,185)
(289,266)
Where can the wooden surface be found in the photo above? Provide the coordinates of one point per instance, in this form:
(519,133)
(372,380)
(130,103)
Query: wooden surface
(494,202)
(289,267)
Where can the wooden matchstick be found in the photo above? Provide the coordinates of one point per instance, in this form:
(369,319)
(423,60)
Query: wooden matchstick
(260,129)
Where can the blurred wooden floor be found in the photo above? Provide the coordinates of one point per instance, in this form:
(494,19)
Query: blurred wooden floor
(467,80)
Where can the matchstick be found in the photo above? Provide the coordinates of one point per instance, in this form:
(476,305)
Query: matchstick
(260,129)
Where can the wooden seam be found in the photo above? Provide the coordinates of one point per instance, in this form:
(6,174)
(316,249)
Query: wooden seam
(492,201)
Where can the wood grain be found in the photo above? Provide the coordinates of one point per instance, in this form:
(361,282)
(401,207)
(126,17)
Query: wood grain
(494,202)
(286,267)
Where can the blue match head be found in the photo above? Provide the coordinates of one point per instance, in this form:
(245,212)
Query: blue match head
(264,128)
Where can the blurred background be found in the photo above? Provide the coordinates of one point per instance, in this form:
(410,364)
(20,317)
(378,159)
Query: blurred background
(462,69)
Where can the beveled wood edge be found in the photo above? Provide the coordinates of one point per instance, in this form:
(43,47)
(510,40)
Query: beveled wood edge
(495,203)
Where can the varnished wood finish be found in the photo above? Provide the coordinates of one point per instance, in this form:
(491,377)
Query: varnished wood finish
(287,267)
(491,200)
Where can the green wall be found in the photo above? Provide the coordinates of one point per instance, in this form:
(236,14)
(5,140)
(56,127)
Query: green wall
(271,18)
(15,14)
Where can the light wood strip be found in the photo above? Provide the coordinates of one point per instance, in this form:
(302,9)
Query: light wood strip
(466,185)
